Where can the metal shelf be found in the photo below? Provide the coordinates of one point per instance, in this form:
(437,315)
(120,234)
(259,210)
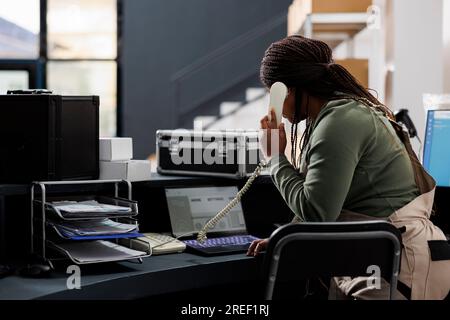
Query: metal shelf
(334,28)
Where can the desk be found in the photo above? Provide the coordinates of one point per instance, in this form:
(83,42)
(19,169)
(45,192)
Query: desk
(153,212)
(157,275)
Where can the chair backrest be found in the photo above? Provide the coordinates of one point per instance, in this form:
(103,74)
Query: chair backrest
(307,250)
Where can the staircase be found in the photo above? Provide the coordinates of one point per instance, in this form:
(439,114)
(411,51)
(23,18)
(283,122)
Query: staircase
(237,114)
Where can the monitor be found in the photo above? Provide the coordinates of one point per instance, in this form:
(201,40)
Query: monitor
(191,208)
(436,158)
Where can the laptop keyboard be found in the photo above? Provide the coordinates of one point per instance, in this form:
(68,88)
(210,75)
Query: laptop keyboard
(222,241)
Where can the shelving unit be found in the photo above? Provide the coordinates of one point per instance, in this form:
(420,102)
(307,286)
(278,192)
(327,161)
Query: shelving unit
(333,28)
(45,207)
(332,21)
(355,30)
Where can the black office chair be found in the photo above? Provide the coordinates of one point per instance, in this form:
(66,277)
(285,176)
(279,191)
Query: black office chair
(298,252)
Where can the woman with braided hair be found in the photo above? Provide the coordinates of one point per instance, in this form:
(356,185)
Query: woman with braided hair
(354,163)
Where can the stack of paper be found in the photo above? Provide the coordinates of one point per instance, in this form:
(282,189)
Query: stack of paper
(88,206)
(94,228)
(89,209)
(99,251)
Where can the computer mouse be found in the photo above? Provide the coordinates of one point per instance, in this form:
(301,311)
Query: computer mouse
(35,270)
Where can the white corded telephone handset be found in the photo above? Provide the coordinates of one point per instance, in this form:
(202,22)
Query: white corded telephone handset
(278,93)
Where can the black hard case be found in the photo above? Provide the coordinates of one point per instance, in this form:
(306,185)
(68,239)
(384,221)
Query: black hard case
(48,137)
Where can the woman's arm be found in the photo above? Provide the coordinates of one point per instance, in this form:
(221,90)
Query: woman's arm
(336,145)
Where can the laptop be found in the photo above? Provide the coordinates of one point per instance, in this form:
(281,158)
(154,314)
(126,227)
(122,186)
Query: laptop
(191,208)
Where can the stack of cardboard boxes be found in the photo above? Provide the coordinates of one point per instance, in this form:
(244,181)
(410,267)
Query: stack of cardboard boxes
(116,161)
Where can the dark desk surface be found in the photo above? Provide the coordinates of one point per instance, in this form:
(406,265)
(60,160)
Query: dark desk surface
(156,180)
(164,274)
(167,274)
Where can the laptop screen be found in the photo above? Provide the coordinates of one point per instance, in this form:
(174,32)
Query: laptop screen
(191,208)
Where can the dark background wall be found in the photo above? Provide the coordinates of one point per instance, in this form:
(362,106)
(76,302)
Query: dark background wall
(181,58)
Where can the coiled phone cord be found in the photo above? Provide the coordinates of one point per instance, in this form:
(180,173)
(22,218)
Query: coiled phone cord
(201,236)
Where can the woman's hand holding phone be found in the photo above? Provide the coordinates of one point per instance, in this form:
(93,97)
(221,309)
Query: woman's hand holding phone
(273,138)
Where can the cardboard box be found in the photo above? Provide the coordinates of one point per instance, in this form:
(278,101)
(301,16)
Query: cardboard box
(333,6)
(114,149)
(359,68)
(132,170)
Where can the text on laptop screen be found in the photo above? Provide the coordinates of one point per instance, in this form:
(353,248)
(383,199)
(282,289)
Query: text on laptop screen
(191,208)
(436,159)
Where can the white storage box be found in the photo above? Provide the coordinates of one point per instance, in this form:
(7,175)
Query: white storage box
(114,149)
(132,170)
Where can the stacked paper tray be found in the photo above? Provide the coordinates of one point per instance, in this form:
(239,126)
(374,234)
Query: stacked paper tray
(98,251)
(93,229)
(71,209)
(83,228)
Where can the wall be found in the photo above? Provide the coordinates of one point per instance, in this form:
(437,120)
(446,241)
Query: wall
(446,37)
(162,37)
(410,56)
(417,55)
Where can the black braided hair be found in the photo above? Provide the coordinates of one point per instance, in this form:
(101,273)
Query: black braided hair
(307,65)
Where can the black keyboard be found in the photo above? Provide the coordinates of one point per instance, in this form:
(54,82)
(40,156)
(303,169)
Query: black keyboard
(222,245)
